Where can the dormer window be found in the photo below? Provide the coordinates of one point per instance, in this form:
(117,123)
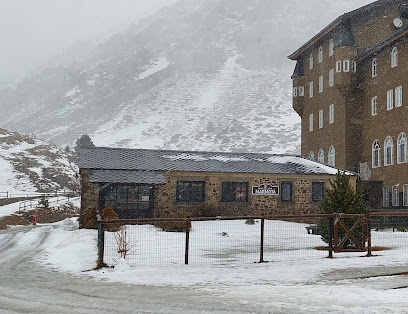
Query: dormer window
(311,61)
(331,47)
(394,57)
(320,55)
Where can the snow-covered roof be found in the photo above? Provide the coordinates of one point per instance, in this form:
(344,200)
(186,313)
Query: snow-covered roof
(190,161)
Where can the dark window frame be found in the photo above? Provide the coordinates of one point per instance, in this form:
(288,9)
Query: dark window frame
(321,187)
(290,184)
(187,191)
(232,187)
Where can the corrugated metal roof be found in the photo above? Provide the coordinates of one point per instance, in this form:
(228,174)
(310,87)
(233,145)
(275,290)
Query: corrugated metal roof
(189,161)
(126,176)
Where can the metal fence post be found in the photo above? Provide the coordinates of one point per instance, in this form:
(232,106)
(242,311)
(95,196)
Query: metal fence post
(188,223)
(101,245)
(331,223)
(368,219)
(261,251)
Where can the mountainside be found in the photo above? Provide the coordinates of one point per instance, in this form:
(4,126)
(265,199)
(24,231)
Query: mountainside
(201,75)
(31,165)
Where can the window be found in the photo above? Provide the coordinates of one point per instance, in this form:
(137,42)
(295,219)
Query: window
(331,113)
(346,65)
(331,77)
(386,196)
(388,151)
(317,191)
(402,148)
(311,156)
(405,197)
(331,156)
(127,200)
(190,191)
(311,89)
(395,195)
(311,61)
(295,91)
(234,192)
(374,108)
(320,118)
(331,47)
(374,68)
(354,66)
(311,122)
(301,91)
(320,156)
(394,57)
(390,99)
(338,66)
(320,55)
(320,83)
(376,154)
(398,96)
(286,191)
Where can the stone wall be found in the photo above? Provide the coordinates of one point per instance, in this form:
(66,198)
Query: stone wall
(89,192)
(165,195)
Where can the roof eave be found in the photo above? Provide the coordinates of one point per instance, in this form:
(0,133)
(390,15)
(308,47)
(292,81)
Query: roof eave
(317,37)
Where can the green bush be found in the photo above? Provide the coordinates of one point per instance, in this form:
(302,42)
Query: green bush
(250,221)
(340,198)
(173,226)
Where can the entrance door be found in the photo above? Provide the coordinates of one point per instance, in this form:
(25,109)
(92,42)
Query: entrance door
(129,201)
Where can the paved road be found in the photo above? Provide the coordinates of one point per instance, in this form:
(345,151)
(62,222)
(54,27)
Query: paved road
(26,287)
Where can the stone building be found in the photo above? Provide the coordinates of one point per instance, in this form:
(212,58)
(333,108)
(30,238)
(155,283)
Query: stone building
(349,88)
(146,183)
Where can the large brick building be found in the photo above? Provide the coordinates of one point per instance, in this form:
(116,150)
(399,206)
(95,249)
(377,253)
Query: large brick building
(349,88)
(145,183)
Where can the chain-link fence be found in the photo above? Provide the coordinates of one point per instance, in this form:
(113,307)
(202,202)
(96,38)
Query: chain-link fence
(222,240)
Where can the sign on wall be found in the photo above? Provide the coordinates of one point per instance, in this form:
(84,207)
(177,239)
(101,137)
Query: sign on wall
(265,189)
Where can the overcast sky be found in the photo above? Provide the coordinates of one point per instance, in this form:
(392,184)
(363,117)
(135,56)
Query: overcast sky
(32,31)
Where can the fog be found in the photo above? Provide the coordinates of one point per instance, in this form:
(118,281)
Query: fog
(32,32)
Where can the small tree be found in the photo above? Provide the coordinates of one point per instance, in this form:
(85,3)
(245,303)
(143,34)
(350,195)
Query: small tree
(43,202)
(340,198)
(83,142)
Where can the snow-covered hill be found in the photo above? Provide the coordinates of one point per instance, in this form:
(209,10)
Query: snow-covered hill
(201,75)
(32,165)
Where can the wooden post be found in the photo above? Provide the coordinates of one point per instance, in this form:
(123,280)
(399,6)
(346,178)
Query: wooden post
(368,233)
(101,245)
(261,251)
(188,222)
(331,223)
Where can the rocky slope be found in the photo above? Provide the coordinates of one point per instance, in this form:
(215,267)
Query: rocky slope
(31,165)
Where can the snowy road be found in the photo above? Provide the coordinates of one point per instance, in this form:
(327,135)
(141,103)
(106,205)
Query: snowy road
(27,287)
(345,284)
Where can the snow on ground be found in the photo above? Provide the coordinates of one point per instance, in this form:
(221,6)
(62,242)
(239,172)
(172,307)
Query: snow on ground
(310,284)
(13,208)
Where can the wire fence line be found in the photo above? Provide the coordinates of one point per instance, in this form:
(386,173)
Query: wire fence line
(54,200)
(7,194)
(220,240)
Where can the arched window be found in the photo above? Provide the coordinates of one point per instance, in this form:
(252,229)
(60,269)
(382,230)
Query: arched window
(394,57)
(376,154)
(331,156)
(388,151)
(311,156)
(374,68)
(320,157)
(311,61)
(331,47)
(320,55)
(402,148)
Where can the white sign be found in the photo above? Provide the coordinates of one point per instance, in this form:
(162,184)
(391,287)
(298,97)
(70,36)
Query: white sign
(265,189)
